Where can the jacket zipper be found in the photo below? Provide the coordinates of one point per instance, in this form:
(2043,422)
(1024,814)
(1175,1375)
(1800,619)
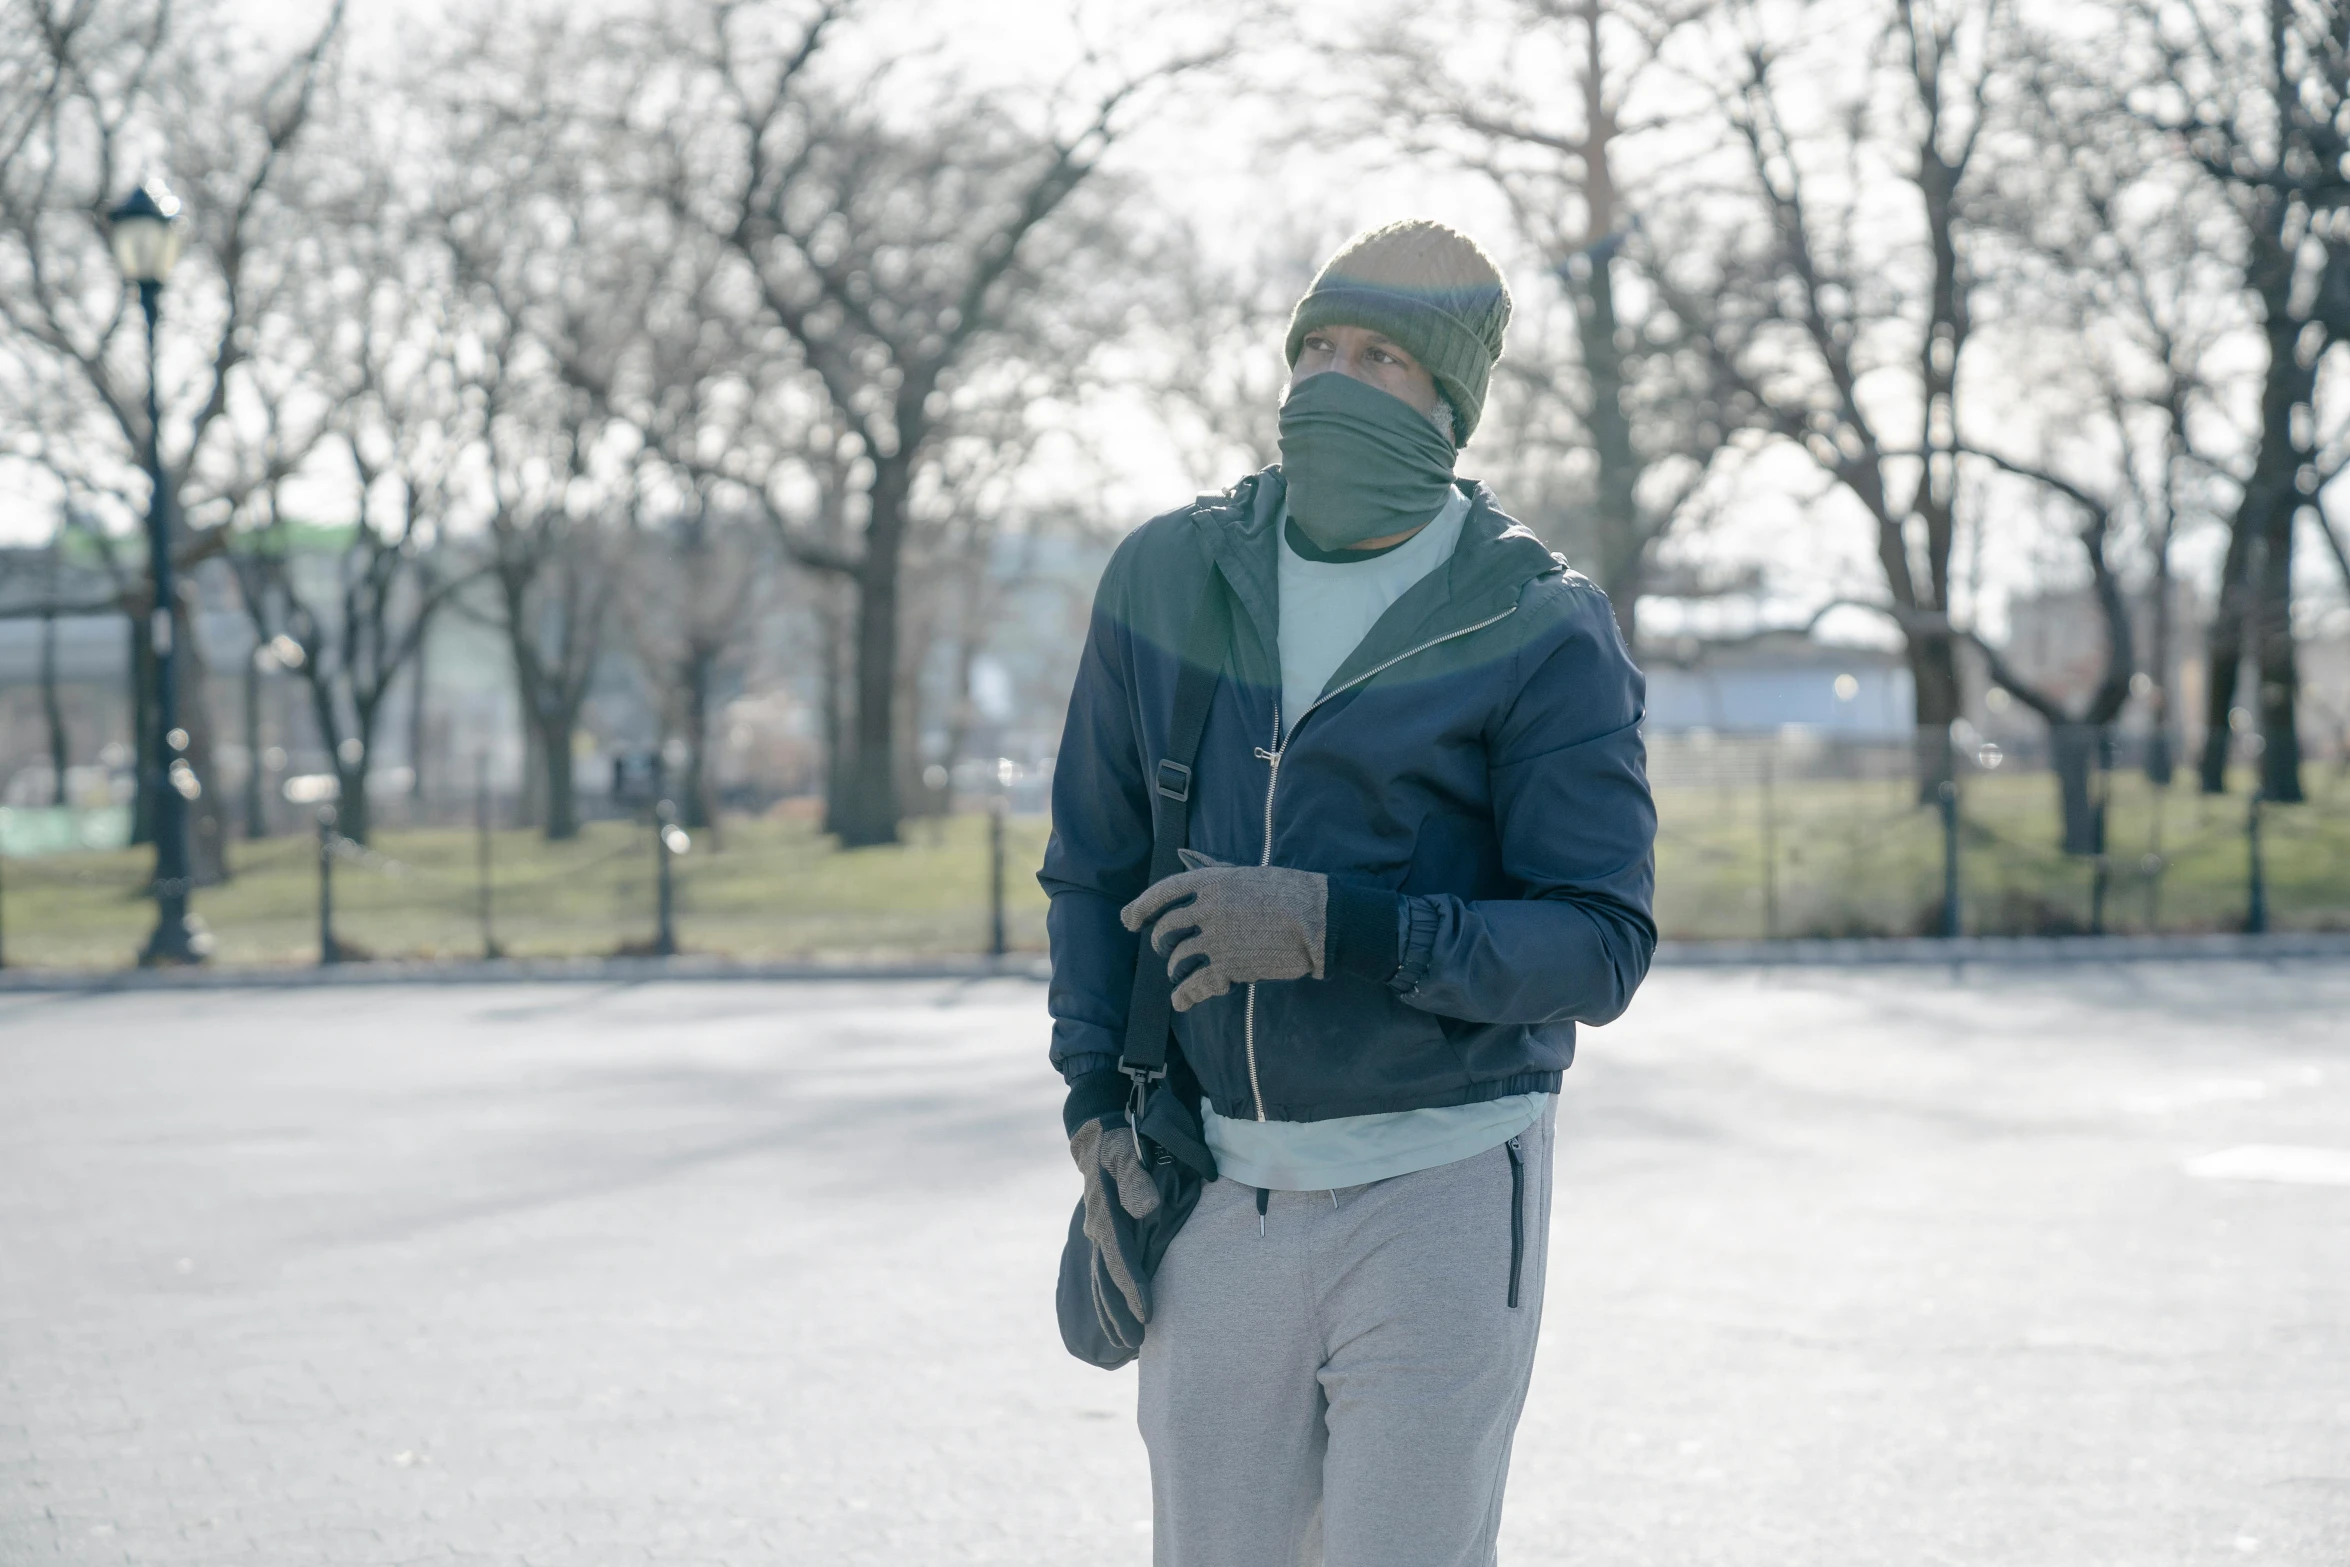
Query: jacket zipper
(1517,1216)
(1273,757)
(1248,1020)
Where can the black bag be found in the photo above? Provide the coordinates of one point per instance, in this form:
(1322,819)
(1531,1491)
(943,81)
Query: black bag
(1097,1326)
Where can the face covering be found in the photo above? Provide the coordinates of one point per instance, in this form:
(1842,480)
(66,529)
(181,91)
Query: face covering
(1360,464)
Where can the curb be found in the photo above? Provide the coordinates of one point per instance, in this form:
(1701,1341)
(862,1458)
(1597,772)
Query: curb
(2028,950)
(507,971)
(1855,952)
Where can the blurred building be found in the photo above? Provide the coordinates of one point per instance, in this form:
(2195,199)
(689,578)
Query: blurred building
(1780,680)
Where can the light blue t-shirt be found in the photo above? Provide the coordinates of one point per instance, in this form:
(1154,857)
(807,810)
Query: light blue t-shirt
(1326,610)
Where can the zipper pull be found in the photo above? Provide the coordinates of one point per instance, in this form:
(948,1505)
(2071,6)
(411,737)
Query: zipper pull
(1264,755)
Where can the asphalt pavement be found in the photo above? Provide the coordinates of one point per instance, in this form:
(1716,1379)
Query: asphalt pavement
(1918,1266)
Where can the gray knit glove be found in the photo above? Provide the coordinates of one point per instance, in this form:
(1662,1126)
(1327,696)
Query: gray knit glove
(1112,1166)
(1251,923)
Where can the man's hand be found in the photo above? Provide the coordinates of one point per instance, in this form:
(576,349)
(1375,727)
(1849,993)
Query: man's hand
(1114,1178)
(1247,922)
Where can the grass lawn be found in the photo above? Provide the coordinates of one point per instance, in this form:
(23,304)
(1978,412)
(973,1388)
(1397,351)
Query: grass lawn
(1828,858)
(1861,858)
(773,888)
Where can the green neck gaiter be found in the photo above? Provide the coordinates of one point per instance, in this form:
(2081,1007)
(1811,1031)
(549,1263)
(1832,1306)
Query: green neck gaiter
(1359,463)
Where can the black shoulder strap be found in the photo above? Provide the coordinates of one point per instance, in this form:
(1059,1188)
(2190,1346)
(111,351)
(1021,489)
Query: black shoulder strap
(1148,1005)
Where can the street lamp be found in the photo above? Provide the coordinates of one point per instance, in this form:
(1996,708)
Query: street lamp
(146,234)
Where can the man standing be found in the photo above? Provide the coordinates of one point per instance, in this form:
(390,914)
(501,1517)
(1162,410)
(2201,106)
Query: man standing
(1421,831)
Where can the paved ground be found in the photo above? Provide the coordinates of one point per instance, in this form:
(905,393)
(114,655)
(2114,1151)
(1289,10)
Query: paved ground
(1850,1268)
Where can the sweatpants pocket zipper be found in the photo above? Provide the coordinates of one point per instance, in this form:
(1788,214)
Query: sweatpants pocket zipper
(1517,1216)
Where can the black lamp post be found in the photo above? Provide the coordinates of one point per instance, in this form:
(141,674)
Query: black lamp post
(146,234)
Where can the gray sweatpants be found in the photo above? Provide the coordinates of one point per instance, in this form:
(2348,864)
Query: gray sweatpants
(1344,1387)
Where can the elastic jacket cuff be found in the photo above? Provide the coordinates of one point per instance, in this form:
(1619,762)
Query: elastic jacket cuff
(1362,933)
(1093,1096)
(1074,1066)
(1420,917)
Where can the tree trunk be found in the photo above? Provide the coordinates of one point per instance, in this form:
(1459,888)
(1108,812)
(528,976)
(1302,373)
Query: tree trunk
(2255,606)
(530,804)
(53,713)
(352,817)
(359,810)
(698,806)
(417,690)
(256,802)
(350,778)
(2278,696)
(2162,734)
(2076,750)
(2224,662)
(1933,669)
(562,795)
(869,815)
(834,711)
(1622,546)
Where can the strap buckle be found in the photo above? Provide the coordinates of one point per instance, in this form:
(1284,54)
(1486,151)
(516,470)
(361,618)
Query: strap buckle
(1175,781)
(1137,1100)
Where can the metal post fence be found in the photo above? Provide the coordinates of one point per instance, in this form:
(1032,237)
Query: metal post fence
(995,877)
(328,951)
(1951,911)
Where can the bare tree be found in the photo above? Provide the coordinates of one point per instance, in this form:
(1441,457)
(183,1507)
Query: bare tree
(519,210)
(356,632)
(1611,412)
(711,423)
(2078,739)
(2259,98)
(2117,249)
(977,534)
(91,97)
(697,580)
(886,255)
(552,568)
(366,334)
(1840,342)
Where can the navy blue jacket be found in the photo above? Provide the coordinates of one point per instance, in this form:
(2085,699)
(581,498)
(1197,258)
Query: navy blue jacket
(1471,781)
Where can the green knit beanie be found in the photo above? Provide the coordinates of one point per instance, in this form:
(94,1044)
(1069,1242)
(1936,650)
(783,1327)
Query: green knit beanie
(1428,287)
